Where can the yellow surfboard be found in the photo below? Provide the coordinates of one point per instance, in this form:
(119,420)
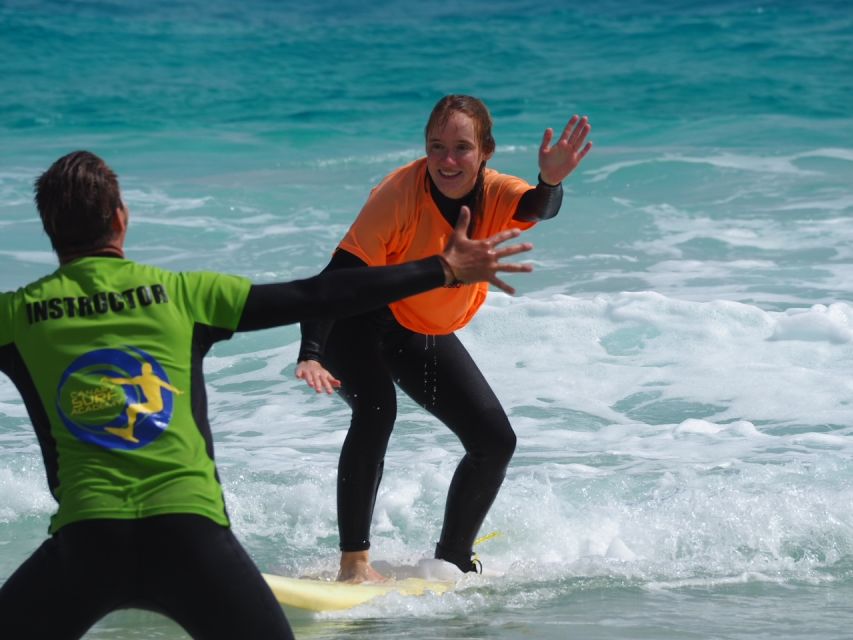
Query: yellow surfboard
(325,595)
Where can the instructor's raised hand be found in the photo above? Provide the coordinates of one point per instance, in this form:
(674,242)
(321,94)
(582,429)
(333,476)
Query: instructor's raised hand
(469,260)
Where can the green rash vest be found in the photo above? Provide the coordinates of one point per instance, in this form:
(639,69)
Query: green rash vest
(107,355)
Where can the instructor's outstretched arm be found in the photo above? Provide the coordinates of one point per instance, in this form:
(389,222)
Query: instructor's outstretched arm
(352,291)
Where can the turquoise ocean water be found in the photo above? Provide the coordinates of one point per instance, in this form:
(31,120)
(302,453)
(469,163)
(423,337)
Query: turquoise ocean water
(677,367)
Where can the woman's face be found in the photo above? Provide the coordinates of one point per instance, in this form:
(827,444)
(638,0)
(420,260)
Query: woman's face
(454,155)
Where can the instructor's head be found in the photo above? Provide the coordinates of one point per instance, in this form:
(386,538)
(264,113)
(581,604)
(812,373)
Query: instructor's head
(80,205)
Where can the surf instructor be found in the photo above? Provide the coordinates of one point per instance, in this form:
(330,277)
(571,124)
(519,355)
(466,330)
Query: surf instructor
(107,355)
(412,342)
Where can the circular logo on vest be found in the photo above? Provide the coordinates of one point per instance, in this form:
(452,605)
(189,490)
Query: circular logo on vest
(116,399)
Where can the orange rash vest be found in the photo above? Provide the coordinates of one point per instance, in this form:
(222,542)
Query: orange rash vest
(401,222)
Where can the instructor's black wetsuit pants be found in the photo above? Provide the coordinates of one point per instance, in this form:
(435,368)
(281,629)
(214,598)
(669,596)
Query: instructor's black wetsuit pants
(369,353)
(184,566)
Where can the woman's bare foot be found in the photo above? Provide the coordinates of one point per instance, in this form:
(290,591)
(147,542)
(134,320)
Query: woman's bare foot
(355,568)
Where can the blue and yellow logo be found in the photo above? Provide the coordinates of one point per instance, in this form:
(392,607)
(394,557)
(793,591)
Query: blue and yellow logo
(116,399)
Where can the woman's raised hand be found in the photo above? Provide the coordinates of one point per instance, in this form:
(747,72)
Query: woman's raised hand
(558,161)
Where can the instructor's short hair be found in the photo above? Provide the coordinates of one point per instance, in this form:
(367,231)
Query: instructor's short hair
(76,199)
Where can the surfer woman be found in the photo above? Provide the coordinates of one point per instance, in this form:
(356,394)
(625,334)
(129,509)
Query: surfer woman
(407,216)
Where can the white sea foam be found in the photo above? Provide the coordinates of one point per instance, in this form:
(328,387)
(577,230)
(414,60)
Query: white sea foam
(833,153)
(514,148)
(817,324)
(158,200)
(840,204)
(16,187)
(603,173)
(778,165)
(32,257)
(187,222)
(22,493)
(405,155)
(782,165)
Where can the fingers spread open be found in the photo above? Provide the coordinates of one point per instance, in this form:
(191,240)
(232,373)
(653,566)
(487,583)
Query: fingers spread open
(500,284)
(502,236)
(580,133)
(515,267)
(512,250)
(546,139)
(568,128)
(463,220)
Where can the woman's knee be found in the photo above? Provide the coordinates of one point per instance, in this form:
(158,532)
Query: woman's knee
(373,418)
(494,440)
(505,444)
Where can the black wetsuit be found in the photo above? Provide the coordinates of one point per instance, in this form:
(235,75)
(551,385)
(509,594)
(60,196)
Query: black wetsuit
(369,354)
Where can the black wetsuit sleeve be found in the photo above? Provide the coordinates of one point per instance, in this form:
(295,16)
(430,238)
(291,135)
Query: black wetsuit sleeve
(316,332)
(337,293)
(541,203)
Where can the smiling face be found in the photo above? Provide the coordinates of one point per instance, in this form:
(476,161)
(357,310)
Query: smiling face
(454,155)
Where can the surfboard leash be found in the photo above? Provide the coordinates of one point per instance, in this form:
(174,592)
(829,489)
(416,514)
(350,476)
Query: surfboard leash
(475,559)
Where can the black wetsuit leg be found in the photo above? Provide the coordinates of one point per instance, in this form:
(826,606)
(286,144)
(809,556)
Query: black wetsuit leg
(440,375)
(457,394)
(184,566)
(65,586)
(355,356)
(221,595)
